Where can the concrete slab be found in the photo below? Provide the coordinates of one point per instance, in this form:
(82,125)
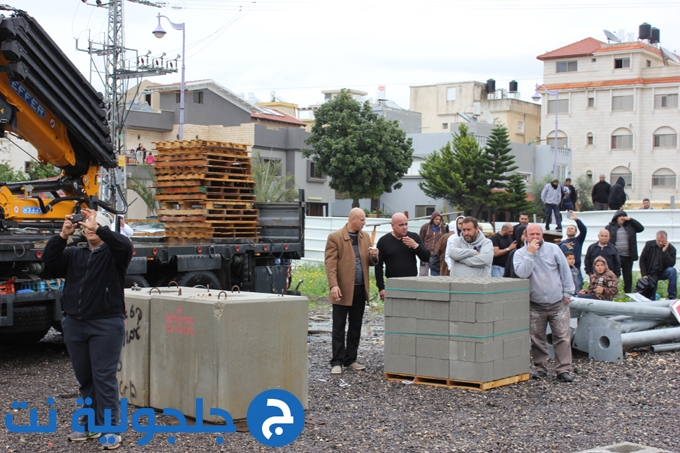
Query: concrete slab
(133,369)
(625,447)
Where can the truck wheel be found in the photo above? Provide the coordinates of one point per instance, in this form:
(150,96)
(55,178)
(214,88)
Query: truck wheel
(130,281)
(31,324)
(204,278)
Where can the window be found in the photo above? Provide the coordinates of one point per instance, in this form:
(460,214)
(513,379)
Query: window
(451,94)
(564,106)
(198,97)
(178,98)
(663,177)
(590,139)
(665,140)
(665,101)
(622,172)
(622,141)
(424,210)
(327,96)
(591,102)
(445,126)
(649,63)
(562,142)
(520,127)
(561,172)
(593,60)
(620,63)
(622,103)
(525,176)
(566,66)
(313,173)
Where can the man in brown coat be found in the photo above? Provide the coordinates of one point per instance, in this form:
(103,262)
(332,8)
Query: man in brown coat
(347,258)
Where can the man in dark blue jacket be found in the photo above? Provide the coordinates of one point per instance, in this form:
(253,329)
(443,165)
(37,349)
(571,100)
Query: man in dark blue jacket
(94,312)
(604,249)
(574,244)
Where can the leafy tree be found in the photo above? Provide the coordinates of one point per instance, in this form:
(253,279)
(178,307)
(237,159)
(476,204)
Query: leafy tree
(269,184)
(453,173)
(584,187)
(9,174)
(36,170)
(516,198)
(363,154)
(139,186)
(498,166)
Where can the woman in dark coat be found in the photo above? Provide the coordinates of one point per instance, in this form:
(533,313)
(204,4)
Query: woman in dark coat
(623,226)
(617,196)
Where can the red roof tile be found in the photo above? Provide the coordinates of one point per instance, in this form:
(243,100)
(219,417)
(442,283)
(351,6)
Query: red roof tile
(286,119)
(627,46)
(578,49)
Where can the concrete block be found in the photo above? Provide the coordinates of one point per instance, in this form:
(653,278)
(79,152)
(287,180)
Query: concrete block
(508,326)
(433,288)
(387,306)
(471,331)
(486,289)
(510,367)
(462,311)
(433,310)
(400,307)
(401,288)
(489,352)
(395,324)
(517,346)
(463,351)
(133,369)
(407,344)
(437,368)
(400,364)
(516,307)
(435,328)
(489,311)
(435,348)
(471,371)
(226,351)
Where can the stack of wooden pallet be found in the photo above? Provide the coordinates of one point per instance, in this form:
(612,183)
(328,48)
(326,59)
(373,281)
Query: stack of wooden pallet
(205,190)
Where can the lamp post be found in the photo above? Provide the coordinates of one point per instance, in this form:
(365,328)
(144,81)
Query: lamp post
(159,33)
(537,97)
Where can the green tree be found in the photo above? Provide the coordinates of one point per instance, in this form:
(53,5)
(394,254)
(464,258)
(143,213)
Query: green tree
(36,170)
(453,173)
(584,187)
(140,187)
(270,185)
(363,154)
(9,174)
(516,198)
(498,167)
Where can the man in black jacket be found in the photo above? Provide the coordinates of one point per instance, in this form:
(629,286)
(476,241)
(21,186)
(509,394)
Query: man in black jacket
(658,260)
(604,249)
(600,195)
(623,235)
(94,312)
(617,196)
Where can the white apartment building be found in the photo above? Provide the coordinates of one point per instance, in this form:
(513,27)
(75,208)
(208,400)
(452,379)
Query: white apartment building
(618,112)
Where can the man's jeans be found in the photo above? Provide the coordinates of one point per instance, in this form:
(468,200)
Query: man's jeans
(497,271)
(670,274)
(551,209)
(94,346)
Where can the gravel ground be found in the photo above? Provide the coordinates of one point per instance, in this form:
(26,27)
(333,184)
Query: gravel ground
(636,401)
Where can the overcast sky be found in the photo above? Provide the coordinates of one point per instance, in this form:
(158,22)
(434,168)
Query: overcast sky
(299,47)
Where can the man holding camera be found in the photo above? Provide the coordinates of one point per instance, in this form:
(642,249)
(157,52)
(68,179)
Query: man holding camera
(94,311)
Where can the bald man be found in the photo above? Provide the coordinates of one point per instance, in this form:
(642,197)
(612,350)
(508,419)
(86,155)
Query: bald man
(606,250)
(550,288)
(398,252)
(347,257)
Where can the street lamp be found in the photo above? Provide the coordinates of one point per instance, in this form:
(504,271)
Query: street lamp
(537,97)
(159,33)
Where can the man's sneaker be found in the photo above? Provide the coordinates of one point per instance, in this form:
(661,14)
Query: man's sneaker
(110,441)
(337,369)
(76,436)
(356,366)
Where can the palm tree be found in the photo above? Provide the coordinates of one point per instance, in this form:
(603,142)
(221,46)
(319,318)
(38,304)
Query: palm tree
(145,192)
(270,185)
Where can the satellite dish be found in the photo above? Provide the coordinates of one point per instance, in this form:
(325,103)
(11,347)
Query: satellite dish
(668,55)
(611,36)
(488,117)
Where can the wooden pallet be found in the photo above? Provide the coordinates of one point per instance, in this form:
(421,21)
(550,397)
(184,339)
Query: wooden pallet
(453,383)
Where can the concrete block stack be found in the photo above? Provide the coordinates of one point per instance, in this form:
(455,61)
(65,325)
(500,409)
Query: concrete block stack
(457,329)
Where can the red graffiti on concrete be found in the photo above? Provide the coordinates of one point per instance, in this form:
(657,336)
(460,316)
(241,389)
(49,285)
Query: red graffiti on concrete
(176,323)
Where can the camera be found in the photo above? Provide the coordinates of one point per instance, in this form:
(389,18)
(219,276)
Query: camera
(75,218)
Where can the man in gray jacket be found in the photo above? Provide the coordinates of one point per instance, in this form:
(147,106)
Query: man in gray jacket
(551,196)
(545,266)
(471,253)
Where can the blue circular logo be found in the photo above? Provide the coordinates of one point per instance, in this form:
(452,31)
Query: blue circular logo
(275,418)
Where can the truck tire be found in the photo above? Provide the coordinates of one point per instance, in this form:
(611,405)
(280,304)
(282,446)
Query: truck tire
(130,281)
(203,278)
(31,324)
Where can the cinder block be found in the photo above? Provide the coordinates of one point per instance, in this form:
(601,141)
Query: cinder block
(401,288)
(434,348)
(437,368)
(433,310)
(517,346)
(463,351)
(489,352)
(462,311)
(400,364)
(396,324)
(510,325)
(407,345)
(471,331)
(489,311)
(387,306)
(516,307)
(432,327)
(400,307)
(433,288)
(471,371)
(510,367)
